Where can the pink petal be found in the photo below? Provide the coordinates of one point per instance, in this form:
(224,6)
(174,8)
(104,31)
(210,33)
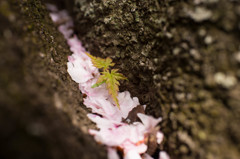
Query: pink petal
(77,72)
(100,91)
(103,123)
(159,136)
(127,103)
(66,30)
(110,137)
(103,107)
(59,16)
(129,146)
(148,121)
(132,155)
(112,153)
(55,17)
(80,68)
(163,155)
(76,46)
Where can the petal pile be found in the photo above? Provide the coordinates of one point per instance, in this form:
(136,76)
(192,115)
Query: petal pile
(132,138)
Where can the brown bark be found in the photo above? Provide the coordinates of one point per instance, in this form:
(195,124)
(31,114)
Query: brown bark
(181,59)
(41,111)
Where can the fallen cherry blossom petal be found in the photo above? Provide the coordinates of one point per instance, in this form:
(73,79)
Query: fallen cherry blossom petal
(60,16)
(103,107)
(76,47)
(148,121)
(127,103)
(100,91)
(132,155)
(147,156)
(130,146)
(112,153)
(159,136)
(64,29)
(163,155)
(77,72)
(103,122)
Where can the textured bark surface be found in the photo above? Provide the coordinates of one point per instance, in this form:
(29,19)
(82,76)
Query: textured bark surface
(41,111)
(182,59)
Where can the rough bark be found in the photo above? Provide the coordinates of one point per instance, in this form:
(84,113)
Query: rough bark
(181,58)
(41,111)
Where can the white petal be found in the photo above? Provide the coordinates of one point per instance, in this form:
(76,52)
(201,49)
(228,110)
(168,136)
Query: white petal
(112,154)
(129,146)
(159,136)
(132,155)
(103,123)
(66,30)
(163,155)
(77,72)
(103,107)
(97,92)
(148,121)
(127,103)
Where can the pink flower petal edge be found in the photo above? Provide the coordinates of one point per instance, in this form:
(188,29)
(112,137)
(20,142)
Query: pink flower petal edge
(112,153)
(163,155)
(108,118)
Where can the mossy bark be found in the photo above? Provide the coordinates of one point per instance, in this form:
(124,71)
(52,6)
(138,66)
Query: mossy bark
(181,58)
(41,111)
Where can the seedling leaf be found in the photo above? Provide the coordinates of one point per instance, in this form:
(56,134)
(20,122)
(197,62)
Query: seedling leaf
(111,78)
(98,84)
(100,62)
(112,83)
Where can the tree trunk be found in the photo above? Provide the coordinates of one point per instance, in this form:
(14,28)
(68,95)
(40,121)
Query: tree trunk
(181,58)
(41,110)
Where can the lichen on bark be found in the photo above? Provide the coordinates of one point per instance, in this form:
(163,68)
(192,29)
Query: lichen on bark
(180,59)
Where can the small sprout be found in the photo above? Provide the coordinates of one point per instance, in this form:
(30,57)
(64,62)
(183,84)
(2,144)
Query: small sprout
(100,62)
(112,83)
(98,84)
(110,77)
